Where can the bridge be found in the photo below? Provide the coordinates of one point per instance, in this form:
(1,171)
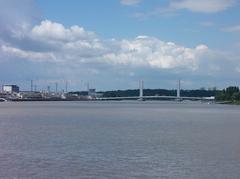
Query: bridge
(141,96)
(158,97)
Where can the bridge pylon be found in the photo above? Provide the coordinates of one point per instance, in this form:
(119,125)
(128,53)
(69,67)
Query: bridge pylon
(141,86)
(179,89)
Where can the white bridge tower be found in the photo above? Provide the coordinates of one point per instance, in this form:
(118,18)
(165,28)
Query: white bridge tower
(141,90)
(179,89)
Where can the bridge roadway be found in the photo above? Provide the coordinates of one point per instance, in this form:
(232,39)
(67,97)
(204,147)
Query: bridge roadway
(157,97)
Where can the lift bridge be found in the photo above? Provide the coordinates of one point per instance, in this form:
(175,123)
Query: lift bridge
(141,96)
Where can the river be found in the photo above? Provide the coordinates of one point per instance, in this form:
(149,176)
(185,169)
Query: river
(169,140)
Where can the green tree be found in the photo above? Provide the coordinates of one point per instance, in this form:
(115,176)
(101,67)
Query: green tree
(236,96)
(232,89)
(221,96)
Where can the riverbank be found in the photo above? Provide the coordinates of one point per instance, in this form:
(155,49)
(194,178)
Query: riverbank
(228,102)
(236,102)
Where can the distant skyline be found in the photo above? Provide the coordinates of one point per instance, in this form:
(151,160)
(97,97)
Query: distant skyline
(112,44)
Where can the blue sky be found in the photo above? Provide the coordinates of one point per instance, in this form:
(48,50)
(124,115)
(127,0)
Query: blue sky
(111,19)
(114,43)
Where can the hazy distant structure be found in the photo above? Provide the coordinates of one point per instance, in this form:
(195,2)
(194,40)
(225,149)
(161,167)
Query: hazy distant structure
(88,86)
(10,89)
(179,89)
(48,89)
(91,92)
(31,85)
(66,86)
(35,88)
(56,87)
(141,86)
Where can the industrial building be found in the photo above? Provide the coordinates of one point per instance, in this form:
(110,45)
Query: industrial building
(93,94)
(10,89)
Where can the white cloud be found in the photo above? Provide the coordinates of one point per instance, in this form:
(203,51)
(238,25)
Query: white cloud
(50,50)
(75,45)
(154,53)
(203,6)
(55,31)
(237,69)
(17,17)
(74,52)
(160,11)
(130,2)
(232,29)
(28,54)
(172,8)
(207,24)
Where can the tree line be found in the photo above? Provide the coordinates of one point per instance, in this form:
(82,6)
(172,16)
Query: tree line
(161,92)
(231,93)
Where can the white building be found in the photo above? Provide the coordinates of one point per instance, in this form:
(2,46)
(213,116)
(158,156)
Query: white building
(10,89)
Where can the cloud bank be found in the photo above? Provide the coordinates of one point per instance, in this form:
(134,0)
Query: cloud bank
(78,45)
(73,49)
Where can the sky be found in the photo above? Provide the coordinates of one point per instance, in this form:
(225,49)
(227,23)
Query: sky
(112,44)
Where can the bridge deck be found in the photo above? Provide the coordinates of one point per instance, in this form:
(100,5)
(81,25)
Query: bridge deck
(155,97)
